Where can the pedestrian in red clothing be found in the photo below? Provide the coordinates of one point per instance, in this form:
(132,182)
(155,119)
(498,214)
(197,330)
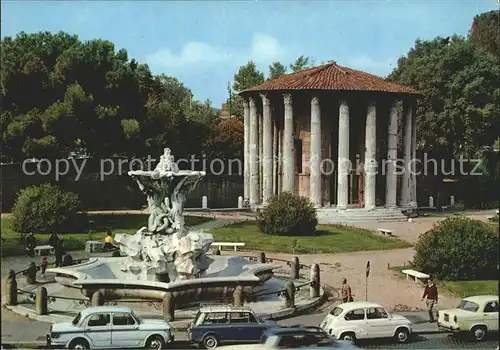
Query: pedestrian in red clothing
(431,298)
(43,265)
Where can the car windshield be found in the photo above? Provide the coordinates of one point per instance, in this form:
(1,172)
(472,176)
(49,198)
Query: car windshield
(468,306)
(77,319)
(336,311)
(139,321)
(196,317)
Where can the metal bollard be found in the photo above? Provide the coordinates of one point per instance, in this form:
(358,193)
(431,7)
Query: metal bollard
(315,281)
(168,307)
(11,288)
(289,294)
(204,202)
(41,301)
(97,299)
(262,258)
(240,202)
(238,296)
(31,273)
(295,268)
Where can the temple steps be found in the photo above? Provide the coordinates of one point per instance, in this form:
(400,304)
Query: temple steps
(356,215)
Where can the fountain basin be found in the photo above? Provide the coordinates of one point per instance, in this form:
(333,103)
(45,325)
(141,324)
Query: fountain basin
(105,275)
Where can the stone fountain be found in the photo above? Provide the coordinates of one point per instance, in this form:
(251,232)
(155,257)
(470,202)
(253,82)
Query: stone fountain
(166,250)
(166,255)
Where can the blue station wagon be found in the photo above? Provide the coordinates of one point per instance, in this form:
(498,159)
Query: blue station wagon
(214,325)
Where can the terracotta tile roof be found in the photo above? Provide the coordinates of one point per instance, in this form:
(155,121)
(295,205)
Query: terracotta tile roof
(332,77)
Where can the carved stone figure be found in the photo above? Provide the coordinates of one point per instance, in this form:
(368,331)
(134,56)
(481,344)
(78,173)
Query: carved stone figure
(166,244)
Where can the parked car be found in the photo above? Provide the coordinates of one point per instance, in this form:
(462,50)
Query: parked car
(217,324)
(110,327)
(364,320)
(303,337)
(477,315)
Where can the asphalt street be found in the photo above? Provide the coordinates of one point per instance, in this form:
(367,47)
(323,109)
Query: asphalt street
(27,333)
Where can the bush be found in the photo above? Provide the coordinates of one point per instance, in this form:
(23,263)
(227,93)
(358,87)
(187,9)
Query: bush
(458,248)
(288,215)
(46,209)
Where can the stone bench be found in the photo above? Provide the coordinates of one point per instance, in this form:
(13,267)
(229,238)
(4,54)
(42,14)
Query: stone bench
(44,248)
(235,245)
(417,275)
(384,231)
(94,246)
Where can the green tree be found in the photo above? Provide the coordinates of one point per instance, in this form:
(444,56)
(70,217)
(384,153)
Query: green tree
(301,63)
(458,114)
(276,69)
(247,76)
(88,97)
(484,32)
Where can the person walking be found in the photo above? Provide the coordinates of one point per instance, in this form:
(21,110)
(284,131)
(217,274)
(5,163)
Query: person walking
(43,266)
(53,240)
(59,253)
(431,298)
(31,244)
(346,291)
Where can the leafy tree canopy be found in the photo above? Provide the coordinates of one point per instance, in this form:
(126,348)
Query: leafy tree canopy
(62,95)
(276,69)
(459,111)
(484,32)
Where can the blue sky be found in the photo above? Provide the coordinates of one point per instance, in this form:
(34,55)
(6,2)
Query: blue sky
(204,42)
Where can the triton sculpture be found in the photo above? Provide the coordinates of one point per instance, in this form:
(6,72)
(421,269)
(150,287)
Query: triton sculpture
(165,249)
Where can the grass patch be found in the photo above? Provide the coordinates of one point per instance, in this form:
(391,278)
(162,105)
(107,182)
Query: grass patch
(329,239)
(98,225)
(460,289)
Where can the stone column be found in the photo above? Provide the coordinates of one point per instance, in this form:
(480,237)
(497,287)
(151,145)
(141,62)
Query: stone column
(246,150)
(392,155)
(315,157)
(275,155)
(406,183)
(370,155)
(343,157)
(261,157)
(288,163)
(280,158)
(253,150)
(413,199)
(267,151)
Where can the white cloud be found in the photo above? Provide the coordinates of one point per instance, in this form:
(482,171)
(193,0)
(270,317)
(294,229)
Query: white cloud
(263,49)
(266,49)
(372,66)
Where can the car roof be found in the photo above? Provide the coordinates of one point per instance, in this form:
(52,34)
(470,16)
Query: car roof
(481,298)
(223,308)
(96,309)
(358,305)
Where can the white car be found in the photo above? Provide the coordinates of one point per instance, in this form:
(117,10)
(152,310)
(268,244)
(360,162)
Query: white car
(109,327)
(364,320)
(477,315)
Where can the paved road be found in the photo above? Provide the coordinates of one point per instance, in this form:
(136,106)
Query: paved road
(20,329)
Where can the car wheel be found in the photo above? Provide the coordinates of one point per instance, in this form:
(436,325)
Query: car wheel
(348,336)
(402,335)
(155,343)
(478,332)
(79,344)
(210,342)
